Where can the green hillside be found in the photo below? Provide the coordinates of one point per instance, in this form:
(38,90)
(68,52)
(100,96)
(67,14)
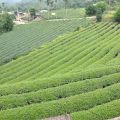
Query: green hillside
(63,14)
(76,74)
(25,38)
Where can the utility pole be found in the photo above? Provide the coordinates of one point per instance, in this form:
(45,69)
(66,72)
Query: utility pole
(28,15)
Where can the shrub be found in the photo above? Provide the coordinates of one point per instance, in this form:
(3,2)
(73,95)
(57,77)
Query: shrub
(117,16)
(113,110)
(77,29)
(91,10)
(24,87)
(6,23)
(32,13)
(63,106)
(58,92)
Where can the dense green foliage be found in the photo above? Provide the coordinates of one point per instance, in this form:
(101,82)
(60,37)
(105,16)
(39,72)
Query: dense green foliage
(91,10)
(117,16)
(77,73)
(6,23)
(102,6)
(32,13)
(97,10)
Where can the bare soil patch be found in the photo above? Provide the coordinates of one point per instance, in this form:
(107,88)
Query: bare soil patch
(63,117)
(118,118)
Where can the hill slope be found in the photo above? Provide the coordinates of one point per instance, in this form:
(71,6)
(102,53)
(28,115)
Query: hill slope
(25,38)
(76,74)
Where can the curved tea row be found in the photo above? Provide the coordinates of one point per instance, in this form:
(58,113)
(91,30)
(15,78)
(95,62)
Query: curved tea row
(76,74)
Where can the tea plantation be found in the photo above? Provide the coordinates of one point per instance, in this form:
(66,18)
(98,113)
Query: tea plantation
(63,14)
(25,38)
(76,74)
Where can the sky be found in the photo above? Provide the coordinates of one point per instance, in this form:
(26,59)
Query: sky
(10,1)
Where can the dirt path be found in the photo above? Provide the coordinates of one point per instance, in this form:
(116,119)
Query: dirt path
(65,19)
(92,18)
(118,118)
(19,22)
(63,117)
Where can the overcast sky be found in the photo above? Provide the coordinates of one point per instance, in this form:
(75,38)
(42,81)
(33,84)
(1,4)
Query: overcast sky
(10,1)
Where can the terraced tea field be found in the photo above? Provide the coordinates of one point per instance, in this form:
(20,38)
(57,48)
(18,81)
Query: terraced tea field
(25,38)
(63,14)
(77,74)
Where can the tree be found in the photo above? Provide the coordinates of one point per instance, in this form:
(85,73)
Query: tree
(91,10)
(32,13)
(102,6)
(99,15)
(6,23)
(117,16)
